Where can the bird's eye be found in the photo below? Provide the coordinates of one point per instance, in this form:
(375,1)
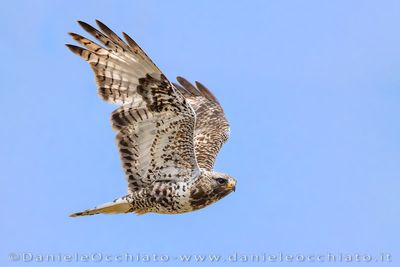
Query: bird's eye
(221,181)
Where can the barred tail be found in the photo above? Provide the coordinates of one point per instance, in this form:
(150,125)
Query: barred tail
(120,205)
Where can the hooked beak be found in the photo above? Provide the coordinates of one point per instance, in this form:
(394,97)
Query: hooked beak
(231,185)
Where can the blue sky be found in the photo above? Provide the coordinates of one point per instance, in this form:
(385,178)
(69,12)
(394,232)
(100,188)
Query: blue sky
(312,92)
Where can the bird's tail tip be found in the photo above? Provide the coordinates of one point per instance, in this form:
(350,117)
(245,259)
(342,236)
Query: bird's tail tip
(76,214)
(120,205)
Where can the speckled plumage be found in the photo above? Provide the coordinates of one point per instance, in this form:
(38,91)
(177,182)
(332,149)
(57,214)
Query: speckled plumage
(168,135)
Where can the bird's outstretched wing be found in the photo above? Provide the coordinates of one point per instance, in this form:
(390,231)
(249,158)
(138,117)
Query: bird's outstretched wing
(212,127)
(154,123)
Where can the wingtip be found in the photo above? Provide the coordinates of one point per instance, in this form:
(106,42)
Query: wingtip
(74,35)
(188,86)
(206,92)
(183,81)
(198,84)
(129,39)
(85,26)
(80,22)
(75,49)
(98,22)
(180,78)
(103,27)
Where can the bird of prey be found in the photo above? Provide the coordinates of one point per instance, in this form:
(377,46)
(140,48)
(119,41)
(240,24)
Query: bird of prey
(168,134)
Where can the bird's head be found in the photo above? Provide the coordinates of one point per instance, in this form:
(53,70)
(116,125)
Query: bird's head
(211,188)
(222,184)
